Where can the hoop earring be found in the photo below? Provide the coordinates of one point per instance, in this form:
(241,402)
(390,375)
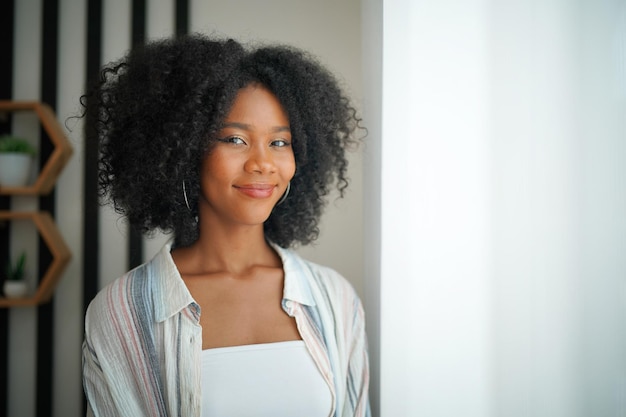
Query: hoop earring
(187,202)
(185,195)
(284,197)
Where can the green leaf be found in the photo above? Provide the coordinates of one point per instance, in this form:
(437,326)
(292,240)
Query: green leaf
(10,143)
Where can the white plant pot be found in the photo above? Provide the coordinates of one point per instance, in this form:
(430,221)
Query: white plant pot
(15,289)
(14,169)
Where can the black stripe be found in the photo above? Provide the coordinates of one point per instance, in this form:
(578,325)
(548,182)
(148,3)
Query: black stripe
(4,354)
(90,192)
(135,240)
(7,10)
(91,221)
(182,17)
(135,248)
(45,312)
(138,22)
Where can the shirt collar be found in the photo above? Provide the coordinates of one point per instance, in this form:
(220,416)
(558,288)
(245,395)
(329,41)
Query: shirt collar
(171,294)
(298,276)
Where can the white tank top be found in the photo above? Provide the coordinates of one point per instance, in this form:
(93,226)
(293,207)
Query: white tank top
(270,379)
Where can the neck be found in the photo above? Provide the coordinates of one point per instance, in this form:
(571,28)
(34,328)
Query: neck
(221,248)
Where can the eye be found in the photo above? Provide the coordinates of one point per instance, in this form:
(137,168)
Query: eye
(236,140)
(279,143)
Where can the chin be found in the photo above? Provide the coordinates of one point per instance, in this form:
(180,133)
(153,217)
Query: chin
(253,219)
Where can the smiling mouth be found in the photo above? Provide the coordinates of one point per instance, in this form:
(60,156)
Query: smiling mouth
(256,190)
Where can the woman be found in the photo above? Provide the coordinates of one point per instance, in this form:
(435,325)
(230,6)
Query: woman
(233,151)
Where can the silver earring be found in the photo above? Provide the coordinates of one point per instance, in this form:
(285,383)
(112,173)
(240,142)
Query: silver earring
(284,197)
(185,195)
(187,201)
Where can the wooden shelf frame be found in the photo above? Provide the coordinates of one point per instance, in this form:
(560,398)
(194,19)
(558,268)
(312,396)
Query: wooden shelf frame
(62,152)
(61,256)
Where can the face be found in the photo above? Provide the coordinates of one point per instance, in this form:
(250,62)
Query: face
(248,168)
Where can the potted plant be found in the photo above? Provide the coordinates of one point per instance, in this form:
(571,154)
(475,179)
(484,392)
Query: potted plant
(16,155)
(14,284)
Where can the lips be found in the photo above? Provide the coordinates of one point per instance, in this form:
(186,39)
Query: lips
(256,190)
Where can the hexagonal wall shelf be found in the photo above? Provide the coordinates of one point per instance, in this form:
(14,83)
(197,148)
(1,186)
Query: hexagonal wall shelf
(59,157)
(60,257)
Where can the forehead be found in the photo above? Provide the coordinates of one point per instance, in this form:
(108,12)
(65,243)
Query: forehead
(256,104)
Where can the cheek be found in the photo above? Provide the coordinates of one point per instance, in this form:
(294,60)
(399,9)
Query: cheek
(216,166)
(290,166)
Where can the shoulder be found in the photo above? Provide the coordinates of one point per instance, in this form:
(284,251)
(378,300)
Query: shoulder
(149,294)
(118,301)
(328,278)
(130,301)
(324,283)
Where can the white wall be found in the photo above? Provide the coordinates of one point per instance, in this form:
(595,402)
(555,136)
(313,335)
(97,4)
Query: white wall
(503,159)
(329,29)
(435,256)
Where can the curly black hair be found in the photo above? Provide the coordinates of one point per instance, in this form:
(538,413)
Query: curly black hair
(156,112)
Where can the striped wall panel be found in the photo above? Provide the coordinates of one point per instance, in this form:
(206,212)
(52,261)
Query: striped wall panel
(56,49)
(38,393)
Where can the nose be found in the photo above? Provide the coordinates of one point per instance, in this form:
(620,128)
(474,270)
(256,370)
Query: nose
(260,160)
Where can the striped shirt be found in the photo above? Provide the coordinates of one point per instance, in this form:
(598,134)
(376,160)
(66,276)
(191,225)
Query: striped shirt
(143,339)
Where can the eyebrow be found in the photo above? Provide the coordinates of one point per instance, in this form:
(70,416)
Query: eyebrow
(245,126)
